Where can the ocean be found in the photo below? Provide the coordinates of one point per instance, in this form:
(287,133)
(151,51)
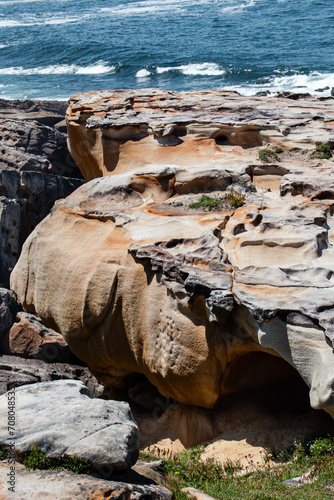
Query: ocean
(52,49)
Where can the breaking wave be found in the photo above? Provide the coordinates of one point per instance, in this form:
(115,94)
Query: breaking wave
(142,73)
(313,83)
(151,7)
(204,69)
(301,82)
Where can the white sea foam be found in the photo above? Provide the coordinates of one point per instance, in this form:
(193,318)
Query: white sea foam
(12,2)
(3,46)
(154,7)
(305,83)
(34,21)
(158,7)
(142,73)
(205,69)
(95,69)
(293,83)
(238,8)
(9,23)
(62,20)
(60,69)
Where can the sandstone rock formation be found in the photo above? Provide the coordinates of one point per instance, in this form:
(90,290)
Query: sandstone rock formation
(29,338)
(203,303)
(62,418)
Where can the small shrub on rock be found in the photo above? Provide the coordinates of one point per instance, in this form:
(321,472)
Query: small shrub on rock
(267,155)
(236,199)
(3,453)
(322,152)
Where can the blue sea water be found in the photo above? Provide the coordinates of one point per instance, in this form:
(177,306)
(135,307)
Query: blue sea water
(51,49)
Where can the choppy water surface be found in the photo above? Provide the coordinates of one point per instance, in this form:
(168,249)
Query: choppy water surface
(51,49)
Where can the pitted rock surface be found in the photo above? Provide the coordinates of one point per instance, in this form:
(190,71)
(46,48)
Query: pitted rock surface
(195,300)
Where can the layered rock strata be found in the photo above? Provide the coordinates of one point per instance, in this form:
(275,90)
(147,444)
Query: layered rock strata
(203,303)
(16,372)
(35,170)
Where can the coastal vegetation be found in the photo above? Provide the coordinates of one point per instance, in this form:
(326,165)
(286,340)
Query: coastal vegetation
(38,459)
(231,481)
(322,152)
(268,155)
(310,457)
(234,199)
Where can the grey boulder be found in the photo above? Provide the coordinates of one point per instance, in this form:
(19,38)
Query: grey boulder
(62,418)
(64,485)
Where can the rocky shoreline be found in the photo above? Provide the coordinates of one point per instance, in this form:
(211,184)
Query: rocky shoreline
(229,301)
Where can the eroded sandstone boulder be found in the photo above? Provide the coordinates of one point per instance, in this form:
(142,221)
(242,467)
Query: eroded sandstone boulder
(29,338)
(203,303)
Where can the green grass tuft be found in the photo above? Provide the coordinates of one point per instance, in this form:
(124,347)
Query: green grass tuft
(207,202)
(38,459)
